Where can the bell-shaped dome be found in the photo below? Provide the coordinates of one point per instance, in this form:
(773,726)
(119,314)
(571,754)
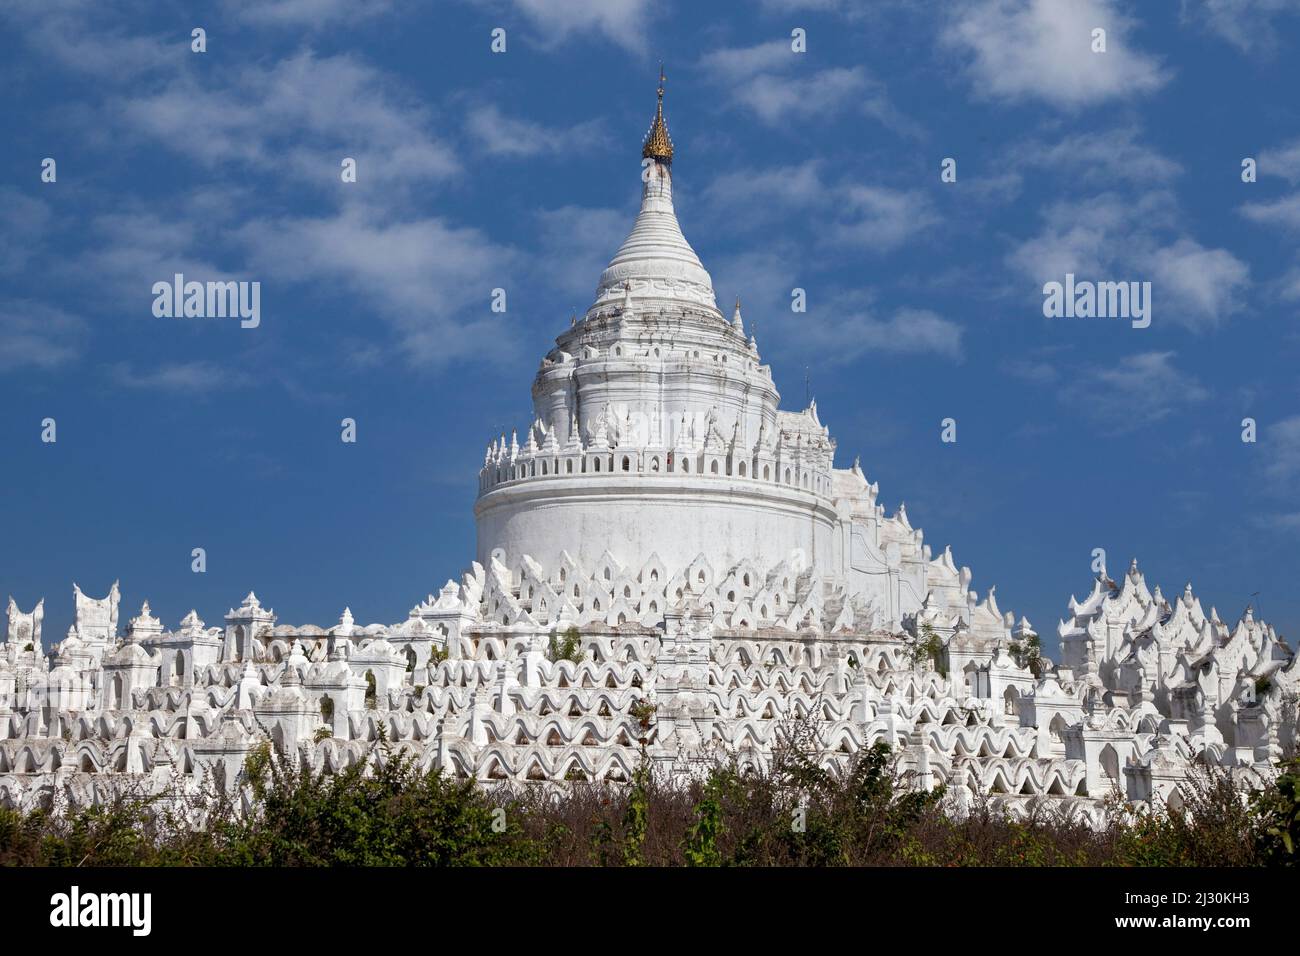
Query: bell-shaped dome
(655,264)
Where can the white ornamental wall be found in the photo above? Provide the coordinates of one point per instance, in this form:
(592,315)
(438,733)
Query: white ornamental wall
(678,517)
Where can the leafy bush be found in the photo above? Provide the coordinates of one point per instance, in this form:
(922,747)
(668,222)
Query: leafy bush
(927,648)
(567,646)
(643,712)
(385,811)
(1277,809)
(701,844)
(381,812)
(1214,826)
(1029,654)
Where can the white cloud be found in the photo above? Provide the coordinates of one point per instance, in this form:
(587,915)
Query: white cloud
(430,279)
(1041,365)
(762,277)
(622,21)
(298,116)
(995,187)
(840,325)
(304,13)
(501,135)
(290,122)
(66,32)
(302,115)
(132,249)
(1111,238)
(1034,371)
(881,219)
(846,214)
(1209,281)
(1105,156)
(40,336)
(1076,237)
(728,201)
(1283,213)
(1280,447)
(1042,50)
(1289,285)
(23,224)
(1281,161)
(1140,389)
(1246,24)
(1286,521)
(575,244)
(197,377)
(843,337)
(733,65)
(776,84)
(1279,462)
(773,98)
(913,331)
(789,6)
(840,334)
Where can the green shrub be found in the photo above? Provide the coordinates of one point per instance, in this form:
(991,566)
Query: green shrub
(928,648)
(1277,840)
(567,646)
(1214,826)
(636,816)
(1029,654)
(701,844)
(378,812)
(384,810)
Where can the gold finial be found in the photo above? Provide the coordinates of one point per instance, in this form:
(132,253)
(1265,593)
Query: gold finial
(658,145)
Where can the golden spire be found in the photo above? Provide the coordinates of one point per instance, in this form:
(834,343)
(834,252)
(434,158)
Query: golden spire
(658,144)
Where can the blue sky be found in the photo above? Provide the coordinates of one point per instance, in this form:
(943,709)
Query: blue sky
(519,170)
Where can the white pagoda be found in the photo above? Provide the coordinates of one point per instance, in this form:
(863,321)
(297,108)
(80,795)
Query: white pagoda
(716,578)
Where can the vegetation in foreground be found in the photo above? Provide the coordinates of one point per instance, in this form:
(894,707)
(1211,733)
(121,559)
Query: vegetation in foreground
(388,813)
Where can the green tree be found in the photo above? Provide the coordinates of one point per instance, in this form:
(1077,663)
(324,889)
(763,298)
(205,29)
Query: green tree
(927,647)
(567,646)
(1028,654)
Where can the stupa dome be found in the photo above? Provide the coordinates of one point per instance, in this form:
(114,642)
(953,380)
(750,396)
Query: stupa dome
(655,263)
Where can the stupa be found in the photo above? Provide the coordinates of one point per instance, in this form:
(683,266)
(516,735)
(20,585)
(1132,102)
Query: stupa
(670,568)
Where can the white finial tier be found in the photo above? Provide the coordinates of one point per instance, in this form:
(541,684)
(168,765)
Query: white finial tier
(655,260)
